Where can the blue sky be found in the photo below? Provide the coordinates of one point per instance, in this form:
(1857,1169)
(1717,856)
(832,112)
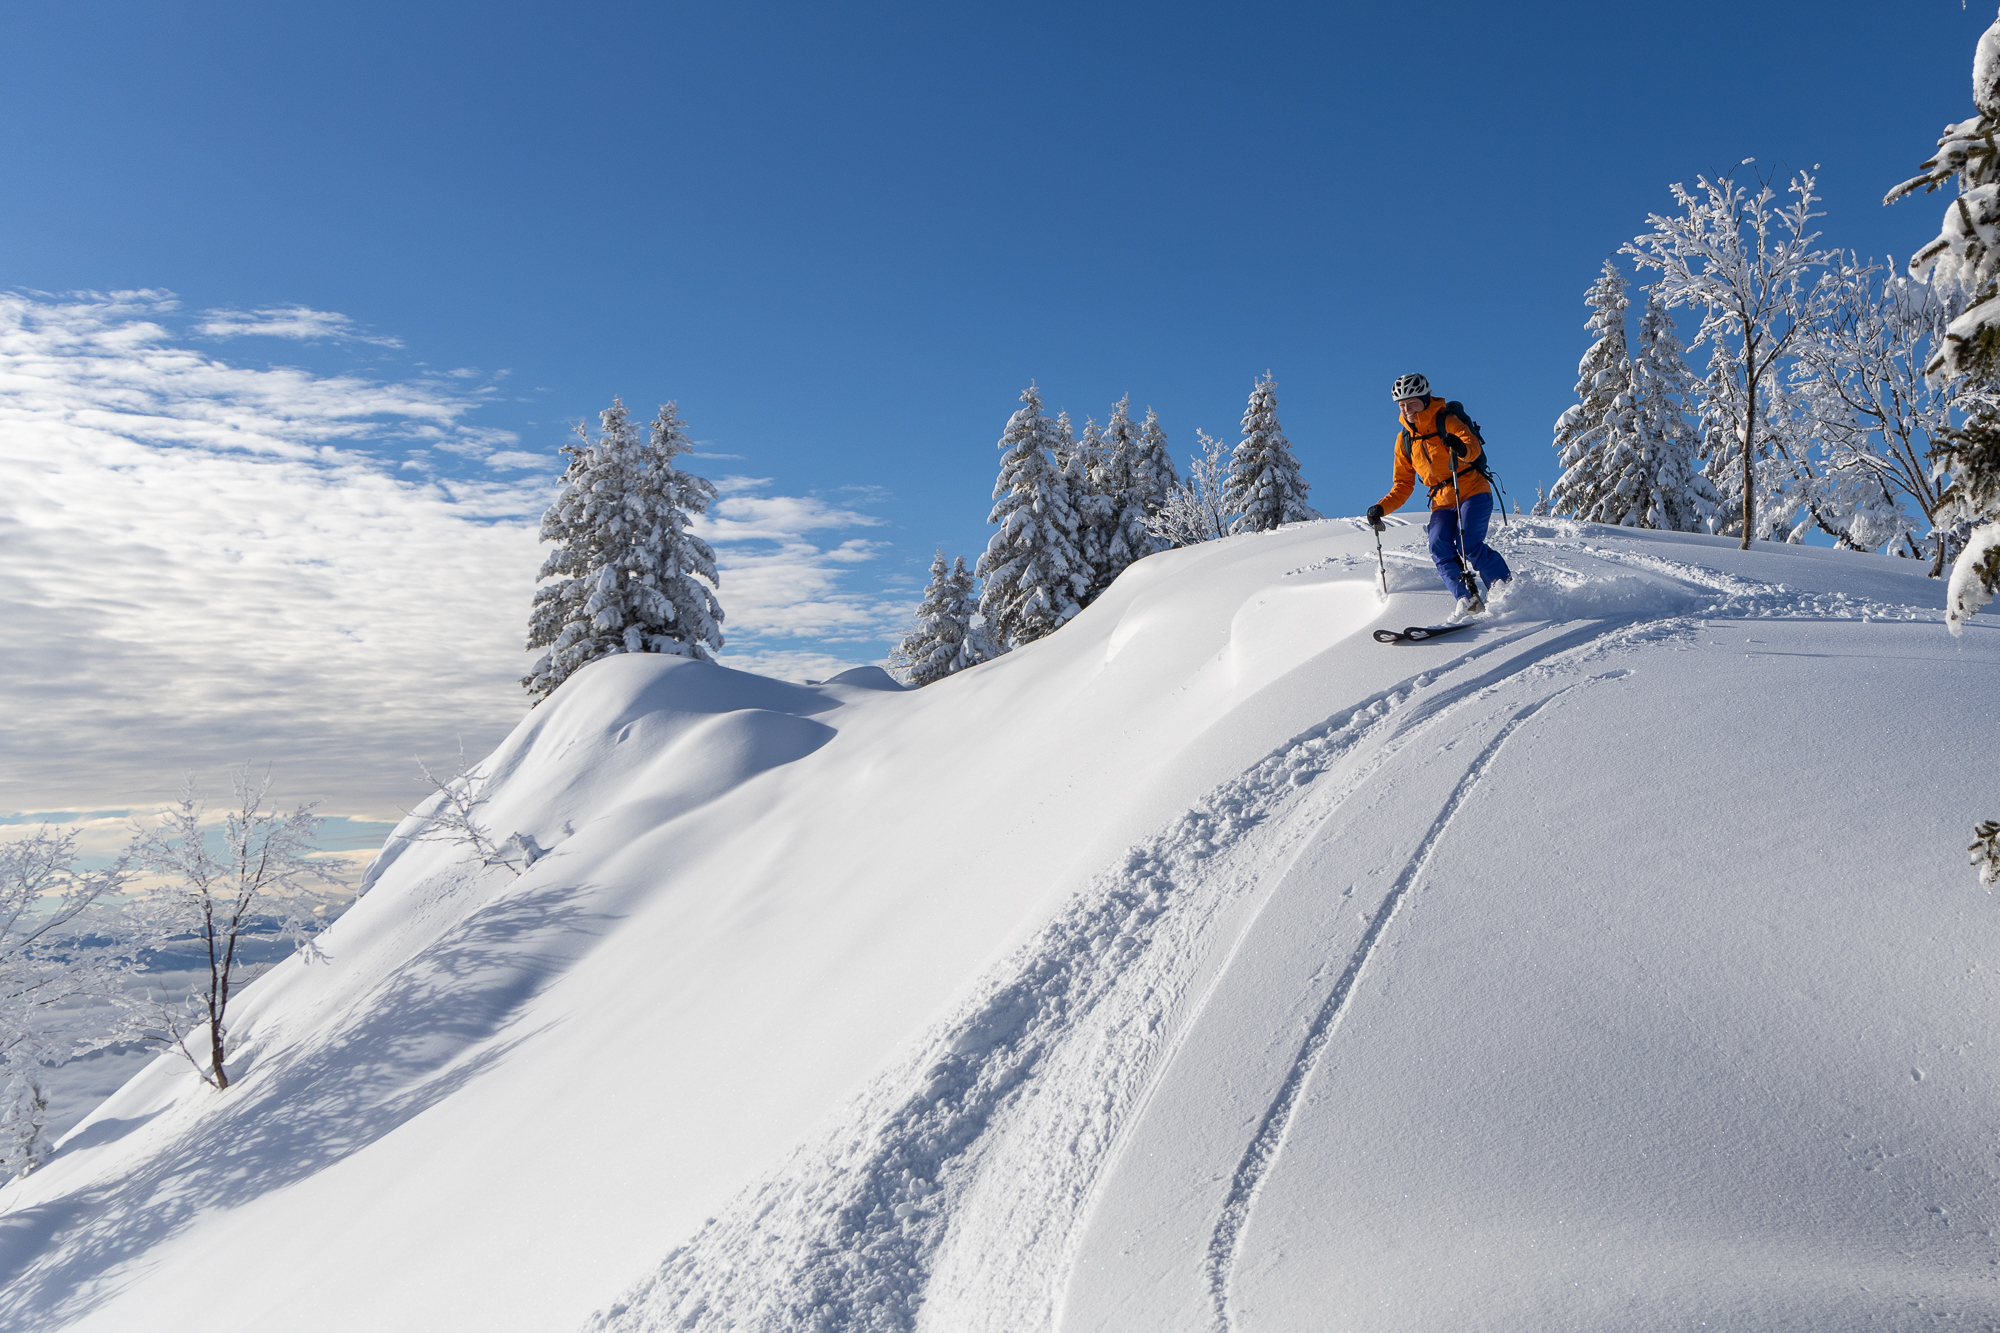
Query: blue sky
(844,238)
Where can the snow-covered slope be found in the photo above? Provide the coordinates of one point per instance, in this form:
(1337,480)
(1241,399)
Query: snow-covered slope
(1204,966)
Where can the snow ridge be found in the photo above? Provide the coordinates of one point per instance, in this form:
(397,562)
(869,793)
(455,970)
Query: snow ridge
(935,1198)
(855,1230)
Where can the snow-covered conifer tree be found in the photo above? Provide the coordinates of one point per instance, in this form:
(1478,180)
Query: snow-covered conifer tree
(1119,480)
(1153,474)
(1966,256)
(1661,475)
(630,577)
(1265,488)
(1034,577)
(1096,508)
(1062,442)
(1591,435)
(946,638)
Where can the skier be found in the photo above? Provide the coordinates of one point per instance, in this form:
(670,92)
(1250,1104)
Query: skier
(1441,448)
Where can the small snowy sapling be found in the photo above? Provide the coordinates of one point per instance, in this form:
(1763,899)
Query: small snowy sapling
(256,876)
(454,817)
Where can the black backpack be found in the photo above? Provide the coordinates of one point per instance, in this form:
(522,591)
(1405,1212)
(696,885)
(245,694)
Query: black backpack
(1479,465)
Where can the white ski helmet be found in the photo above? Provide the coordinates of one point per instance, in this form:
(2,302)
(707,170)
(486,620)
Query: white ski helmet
(1410,386)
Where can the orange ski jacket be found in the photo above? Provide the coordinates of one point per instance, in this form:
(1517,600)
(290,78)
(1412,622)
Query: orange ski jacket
(1423,453)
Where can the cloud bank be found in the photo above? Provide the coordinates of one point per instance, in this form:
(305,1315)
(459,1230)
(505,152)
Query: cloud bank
(209,564)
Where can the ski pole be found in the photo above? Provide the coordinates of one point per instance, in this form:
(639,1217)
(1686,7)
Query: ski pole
(1380,568)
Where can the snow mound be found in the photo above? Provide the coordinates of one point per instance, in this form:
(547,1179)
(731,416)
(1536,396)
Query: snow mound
(1613,963)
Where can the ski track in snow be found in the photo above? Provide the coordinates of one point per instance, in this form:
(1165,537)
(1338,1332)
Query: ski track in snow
(856,1229)
(1276,1123)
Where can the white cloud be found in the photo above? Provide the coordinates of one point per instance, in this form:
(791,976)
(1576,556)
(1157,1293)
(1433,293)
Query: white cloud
(796,665)
(511,458)
(777,583)
(291,321)
(204,572)
(209,565)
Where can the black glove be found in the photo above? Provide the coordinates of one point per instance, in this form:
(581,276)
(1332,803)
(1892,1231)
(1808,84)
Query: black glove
(1375,517)
(1456,445)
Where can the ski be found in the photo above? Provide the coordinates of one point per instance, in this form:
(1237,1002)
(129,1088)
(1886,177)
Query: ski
(1417,633)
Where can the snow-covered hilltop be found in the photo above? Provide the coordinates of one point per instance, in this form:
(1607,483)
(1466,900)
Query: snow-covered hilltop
(1205,965)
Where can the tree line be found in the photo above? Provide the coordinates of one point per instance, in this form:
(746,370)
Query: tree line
(1075,510)
(1817,409)
(1839,395)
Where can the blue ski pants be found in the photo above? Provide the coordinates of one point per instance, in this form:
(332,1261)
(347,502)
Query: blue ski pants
(1472,516)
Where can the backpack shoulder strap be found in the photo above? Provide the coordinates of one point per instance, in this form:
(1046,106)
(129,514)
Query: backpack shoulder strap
(1454,408)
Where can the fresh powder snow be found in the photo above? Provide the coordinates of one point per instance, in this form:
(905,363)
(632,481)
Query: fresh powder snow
(1203,965)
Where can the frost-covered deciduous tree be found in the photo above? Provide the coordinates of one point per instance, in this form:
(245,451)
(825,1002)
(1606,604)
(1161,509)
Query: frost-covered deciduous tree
(257,875)
(1591,435)
(1034,577)
(629,575)
(43,897)
(1877,415)
(1265,488)
(1748,263)
(1662,475)
(1966,255)
(1197,509)
(947,637)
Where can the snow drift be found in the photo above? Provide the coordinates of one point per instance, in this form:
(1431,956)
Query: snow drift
(1203,966)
